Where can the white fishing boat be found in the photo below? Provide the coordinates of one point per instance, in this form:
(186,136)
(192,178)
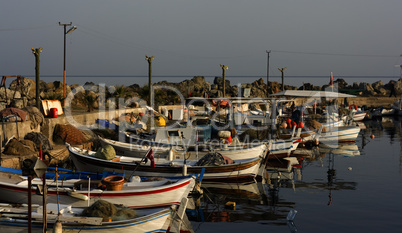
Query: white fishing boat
(67,219)
(235,170)
(339,134)
(194,152)
(114,189)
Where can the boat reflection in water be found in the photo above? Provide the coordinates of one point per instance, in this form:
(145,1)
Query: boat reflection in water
(238,202)
(342,149)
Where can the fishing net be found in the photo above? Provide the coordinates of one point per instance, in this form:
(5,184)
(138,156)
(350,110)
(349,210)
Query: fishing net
(211,159)
(39,139)
(69,134)
(23,147)
(35,116)
(109,211)
(106,152)
(316,125)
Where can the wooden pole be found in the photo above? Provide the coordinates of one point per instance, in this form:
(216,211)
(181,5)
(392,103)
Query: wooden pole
(151,99)
(282,70)
(224,68)
(36,53)
(268,86)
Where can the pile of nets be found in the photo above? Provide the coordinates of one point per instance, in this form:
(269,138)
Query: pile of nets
(35,116)
(106,152)
(16,147)
(39,139)
(212,159)
(109,211)
(68,133)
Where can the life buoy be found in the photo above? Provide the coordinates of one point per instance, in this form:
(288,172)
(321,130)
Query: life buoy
(354,106)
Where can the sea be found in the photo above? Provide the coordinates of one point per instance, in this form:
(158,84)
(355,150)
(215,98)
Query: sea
(141,80)
(354,187)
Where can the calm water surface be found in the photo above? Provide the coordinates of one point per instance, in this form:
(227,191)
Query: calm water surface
(364,193)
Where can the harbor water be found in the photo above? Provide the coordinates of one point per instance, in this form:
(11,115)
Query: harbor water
(351,188)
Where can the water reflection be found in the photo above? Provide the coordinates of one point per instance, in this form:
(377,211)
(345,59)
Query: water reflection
(319,170)
(239,202)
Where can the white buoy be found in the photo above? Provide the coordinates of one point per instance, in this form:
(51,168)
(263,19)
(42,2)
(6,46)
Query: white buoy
(184,170)
(57,227)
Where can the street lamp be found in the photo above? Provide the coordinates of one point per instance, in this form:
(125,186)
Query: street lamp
(64,61)
(224,68)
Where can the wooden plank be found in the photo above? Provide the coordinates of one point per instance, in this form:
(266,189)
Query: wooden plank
(178,216)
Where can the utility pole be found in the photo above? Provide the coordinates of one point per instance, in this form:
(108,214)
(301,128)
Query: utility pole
(283,77)
(268,52)
(36,52)
(401,67)
(64,60)
(151,99)
(224,68)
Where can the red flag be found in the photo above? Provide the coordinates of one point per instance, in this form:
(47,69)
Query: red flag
(331,81)
(189,92)
(150,156)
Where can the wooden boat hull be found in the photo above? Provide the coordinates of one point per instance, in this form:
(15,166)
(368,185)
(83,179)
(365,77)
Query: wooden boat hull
(339,134)
(155,221)
(240,170)
(144,195)
(234,152)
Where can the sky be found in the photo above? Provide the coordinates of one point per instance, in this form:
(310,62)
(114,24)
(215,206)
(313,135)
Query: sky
(189,37)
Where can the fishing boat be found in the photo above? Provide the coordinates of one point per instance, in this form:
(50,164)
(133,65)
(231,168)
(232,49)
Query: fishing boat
(232,150)
(68,219)
(339,134)
(136,193)
(242,169)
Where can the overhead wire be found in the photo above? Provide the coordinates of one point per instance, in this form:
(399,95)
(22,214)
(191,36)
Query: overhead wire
(334,54)
(27,28)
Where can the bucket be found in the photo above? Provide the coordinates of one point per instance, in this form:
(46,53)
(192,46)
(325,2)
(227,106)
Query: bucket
(53,113)
(114,183)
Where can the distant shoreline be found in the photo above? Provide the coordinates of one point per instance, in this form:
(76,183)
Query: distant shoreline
(127,80)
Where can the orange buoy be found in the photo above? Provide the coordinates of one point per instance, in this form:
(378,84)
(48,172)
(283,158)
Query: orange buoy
(372,136)
(301,125)
(288,121)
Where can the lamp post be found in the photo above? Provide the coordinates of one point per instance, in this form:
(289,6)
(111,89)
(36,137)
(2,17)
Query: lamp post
(224,68)
(64,60)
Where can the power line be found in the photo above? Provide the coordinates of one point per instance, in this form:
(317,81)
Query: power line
(333,54)
(26,28)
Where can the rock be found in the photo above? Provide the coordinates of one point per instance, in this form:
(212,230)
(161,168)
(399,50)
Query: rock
(342,84)
(200,80)
(27,87)
(366,87)
(17,103)
(377,85)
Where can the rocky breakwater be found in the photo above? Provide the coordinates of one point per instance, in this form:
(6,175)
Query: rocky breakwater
(22,94)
